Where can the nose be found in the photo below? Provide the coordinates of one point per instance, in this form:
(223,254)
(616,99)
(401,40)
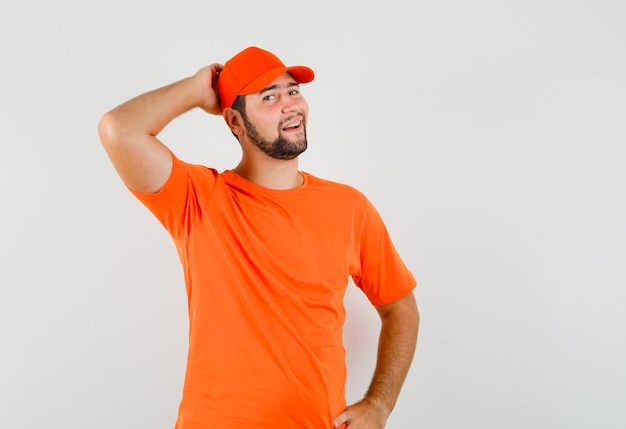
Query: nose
(290,104)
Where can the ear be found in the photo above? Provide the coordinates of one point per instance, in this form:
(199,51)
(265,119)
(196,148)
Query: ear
(234,121)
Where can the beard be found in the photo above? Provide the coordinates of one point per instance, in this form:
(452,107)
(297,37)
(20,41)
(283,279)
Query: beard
(279,148)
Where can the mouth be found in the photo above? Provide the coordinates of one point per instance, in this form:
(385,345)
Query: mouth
(293,124)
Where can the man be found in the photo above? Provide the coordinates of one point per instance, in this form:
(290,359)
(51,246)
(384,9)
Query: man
(266,251)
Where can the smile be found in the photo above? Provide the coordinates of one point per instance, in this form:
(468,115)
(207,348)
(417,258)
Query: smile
(292,125)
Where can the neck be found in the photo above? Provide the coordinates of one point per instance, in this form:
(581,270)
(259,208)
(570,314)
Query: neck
(270,173)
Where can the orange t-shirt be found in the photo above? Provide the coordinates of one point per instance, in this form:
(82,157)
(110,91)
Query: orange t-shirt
(266,272)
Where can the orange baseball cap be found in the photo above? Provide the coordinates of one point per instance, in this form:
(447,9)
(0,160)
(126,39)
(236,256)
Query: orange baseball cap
(250,71)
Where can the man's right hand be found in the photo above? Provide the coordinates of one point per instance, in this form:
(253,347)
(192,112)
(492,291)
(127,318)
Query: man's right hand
(206,78)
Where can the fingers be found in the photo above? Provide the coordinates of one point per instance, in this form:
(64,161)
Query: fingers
(216,69)
(215,74)
(340,420)
(361,415)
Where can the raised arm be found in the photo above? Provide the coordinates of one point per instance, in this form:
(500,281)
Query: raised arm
(396,346)
(129,131)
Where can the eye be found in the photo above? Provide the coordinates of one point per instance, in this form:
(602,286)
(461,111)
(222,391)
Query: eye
(294,92)
(269,97)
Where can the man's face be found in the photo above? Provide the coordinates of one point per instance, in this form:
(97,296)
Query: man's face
(275,119)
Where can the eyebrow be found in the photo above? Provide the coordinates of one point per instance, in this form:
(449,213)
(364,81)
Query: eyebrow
(277,86)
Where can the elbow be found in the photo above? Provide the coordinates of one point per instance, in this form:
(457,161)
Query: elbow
(107,130)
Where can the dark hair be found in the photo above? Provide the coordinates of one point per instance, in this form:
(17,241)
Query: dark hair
(240,104)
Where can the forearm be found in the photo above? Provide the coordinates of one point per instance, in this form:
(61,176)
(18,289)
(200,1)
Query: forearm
(396,347)
(149,113)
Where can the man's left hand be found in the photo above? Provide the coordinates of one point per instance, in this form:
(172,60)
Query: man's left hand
(365,414)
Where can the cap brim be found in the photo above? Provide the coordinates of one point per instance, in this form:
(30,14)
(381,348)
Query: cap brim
(301,74)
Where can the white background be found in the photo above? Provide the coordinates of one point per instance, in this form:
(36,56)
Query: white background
(489,134)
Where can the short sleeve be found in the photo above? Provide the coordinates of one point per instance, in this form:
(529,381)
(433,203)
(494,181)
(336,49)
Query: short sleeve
(383,275)
(179,204)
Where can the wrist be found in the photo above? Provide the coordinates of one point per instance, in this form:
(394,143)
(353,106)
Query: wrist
(192,89)
(379,404)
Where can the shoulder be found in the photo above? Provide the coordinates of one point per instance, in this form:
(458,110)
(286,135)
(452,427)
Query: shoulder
(339,188)
(341,196)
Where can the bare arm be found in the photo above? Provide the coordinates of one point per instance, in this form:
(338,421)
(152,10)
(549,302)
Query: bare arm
(129,131)
(396,346)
